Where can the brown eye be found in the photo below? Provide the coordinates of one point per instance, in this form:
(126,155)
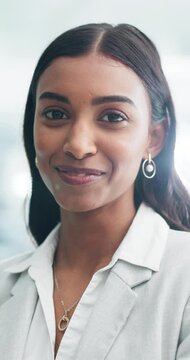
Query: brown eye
(113,117)
(55,114)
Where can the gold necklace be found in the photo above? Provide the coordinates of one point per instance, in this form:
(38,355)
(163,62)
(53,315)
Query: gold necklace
(64,321)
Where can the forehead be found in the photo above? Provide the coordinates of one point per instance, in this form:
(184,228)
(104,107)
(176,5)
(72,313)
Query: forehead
(94,74)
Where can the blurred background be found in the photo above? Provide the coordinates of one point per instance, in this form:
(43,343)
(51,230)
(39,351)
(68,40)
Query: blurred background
(26,28)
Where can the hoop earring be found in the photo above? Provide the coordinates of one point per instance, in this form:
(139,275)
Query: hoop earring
(149,167)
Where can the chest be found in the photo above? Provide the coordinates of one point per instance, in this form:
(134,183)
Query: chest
(62,320)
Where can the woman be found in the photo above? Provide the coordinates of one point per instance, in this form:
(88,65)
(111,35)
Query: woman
(110,279)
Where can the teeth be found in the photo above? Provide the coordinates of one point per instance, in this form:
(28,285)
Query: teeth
(81,174)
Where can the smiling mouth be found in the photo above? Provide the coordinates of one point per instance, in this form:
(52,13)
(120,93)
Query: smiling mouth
(79,176)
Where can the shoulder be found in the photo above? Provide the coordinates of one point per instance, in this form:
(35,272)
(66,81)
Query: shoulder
(11,264)
(10,270)
(35,261)
(176,258)
(179,244)
(14,260)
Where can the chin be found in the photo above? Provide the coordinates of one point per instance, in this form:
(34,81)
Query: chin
(79,206)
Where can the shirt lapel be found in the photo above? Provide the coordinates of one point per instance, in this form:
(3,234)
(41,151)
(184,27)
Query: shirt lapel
(112,310)
(15,318)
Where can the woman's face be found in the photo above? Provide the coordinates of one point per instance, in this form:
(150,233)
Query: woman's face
(91,131)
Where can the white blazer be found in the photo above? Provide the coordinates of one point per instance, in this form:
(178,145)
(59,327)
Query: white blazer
(142,314)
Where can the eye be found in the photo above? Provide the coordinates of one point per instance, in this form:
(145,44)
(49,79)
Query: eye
(55,114)
(113,116)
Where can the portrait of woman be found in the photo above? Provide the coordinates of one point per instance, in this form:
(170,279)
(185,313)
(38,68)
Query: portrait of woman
(110,275)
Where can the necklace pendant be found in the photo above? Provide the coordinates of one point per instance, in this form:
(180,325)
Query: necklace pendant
(63,323)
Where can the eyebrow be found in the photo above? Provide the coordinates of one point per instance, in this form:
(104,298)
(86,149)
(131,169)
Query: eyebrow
(54,96)
(96,101)
(112,98)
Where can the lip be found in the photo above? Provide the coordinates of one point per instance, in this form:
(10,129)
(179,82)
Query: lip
(79,176)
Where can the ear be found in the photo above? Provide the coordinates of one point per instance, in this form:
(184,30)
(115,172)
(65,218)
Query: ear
(157,137)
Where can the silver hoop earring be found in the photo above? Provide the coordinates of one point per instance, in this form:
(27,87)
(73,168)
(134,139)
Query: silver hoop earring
(149,167)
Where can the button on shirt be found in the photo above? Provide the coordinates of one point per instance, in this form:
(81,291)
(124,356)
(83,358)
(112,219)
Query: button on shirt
(135,248)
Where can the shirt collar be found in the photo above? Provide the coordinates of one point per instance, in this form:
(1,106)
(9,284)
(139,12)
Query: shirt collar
(143,244)
(145,241)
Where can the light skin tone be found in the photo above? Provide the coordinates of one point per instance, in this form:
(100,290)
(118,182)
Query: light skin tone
(92,112)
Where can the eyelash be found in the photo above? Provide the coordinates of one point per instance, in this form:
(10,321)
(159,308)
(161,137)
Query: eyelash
(58,111)
(63,115)
(114,113)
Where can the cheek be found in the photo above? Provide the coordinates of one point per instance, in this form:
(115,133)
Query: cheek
(40,140)
(129,148)
(46,141)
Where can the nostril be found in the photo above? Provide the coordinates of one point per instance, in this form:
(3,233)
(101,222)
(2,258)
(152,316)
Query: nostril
(70,154)
(79,149)
(78,156)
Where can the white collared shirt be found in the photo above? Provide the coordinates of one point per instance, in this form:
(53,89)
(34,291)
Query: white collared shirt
(143,245)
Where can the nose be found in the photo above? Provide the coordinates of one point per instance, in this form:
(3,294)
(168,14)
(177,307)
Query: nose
(79,142)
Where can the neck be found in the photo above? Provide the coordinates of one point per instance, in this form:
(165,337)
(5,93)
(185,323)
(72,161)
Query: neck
(88,240)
